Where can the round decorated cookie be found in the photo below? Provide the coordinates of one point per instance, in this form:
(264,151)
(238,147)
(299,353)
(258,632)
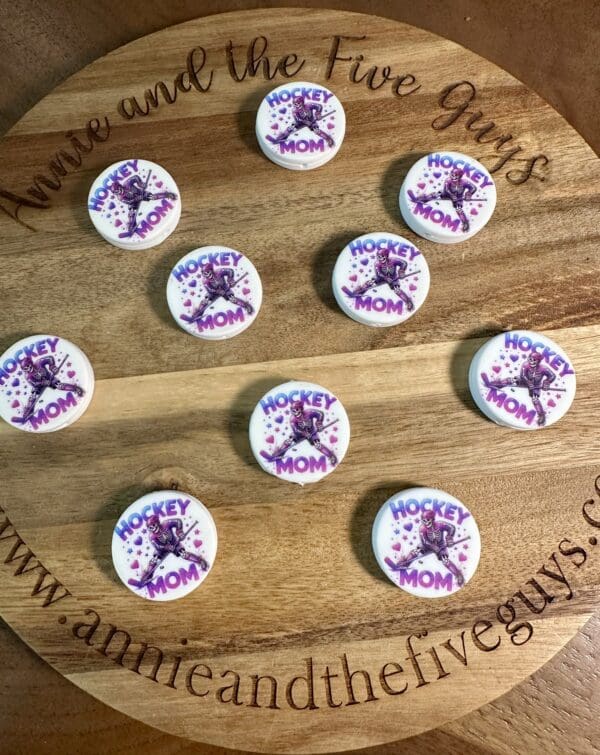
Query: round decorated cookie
(522,380)
(164,545)
(299,432)
(427,542)
(134,204)
(447,197)
(46,384)
(300,125)
(214,292)
(380,279)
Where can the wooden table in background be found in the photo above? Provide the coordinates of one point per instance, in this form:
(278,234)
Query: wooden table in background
(551,46)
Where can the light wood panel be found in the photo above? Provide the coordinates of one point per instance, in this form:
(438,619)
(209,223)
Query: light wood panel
(295,578)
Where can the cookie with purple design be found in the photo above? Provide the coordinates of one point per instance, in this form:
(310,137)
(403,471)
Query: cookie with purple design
(380,279)
(46,384)
(299,432)
(300,125)
(522,380)
(214,292)
(426,542)
(447,197)
(134,204)
(164,545)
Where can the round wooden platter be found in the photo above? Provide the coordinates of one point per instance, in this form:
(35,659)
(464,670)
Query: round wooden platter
(295,591)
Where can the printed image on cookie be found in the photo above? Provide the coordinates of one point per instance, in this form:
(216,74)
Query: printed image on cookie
(299,432)
(214,292)
(300,126)
(380,279)
(427,542)
(164,545)
(447,197)
(522,380)
(134,204)
(46,384)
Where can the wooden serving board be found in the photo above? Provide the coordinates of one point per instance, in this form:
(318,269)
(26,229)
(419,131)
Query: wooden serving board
(295,595)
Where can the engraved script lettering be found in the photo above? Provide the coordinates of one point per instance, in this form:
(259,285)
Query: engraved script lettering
(287,66)
(374,77)
(185,81)
(455,99)
(95,132)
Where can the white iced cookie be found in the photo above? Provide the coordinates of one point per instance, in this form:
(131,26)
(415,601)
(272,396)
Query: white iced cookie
(427,542)
(299,432)
(46,384)
(134,204)
(522,380)
(300,125)
(164,545)
(447,197)
(380,279)
(214,292)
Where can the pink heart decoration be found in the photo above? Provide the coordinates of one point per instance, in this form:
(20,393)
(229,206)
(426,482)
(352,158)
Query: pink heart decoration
(465,547)
(246,291)
(462,557)
(551,402)
(139,540)
(332,439)
(197,543)
(474,212)
(158,183)
(275,126)
(15,403)
(330,126)
(187,303)
(397,546)
(412,287)
(353,278)
(421,184)
(408,527)
(135,564)
(496,368)
(118,223)
(71,373)
(514,357)
(270,439)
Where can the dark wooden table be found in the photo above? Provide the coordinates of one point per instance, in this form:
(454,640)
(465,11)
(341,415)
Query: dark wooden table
(552,46)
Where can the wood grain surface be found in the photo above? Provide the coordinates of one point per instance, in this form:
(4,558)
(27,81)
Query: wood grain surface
(433,421)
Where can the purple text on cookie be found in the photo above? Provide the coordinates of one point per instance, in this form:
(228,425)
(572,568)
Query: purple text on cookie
(301,464)
(309,93)
(97,200)
(53,410)
(436,216)
(525,343)
(469,171)
(378,304)
(308,396)
(360,246)
(426,579)
(173,580)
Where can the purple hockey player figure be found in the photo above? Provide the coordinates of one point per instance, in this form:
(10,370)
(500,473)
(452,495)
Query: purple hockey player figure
(218,283)
(436,537)
(132,193)
(40,375)
(305,425)
(535,378)
(457,190)
(305,116)
(166,537)
(387,271)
